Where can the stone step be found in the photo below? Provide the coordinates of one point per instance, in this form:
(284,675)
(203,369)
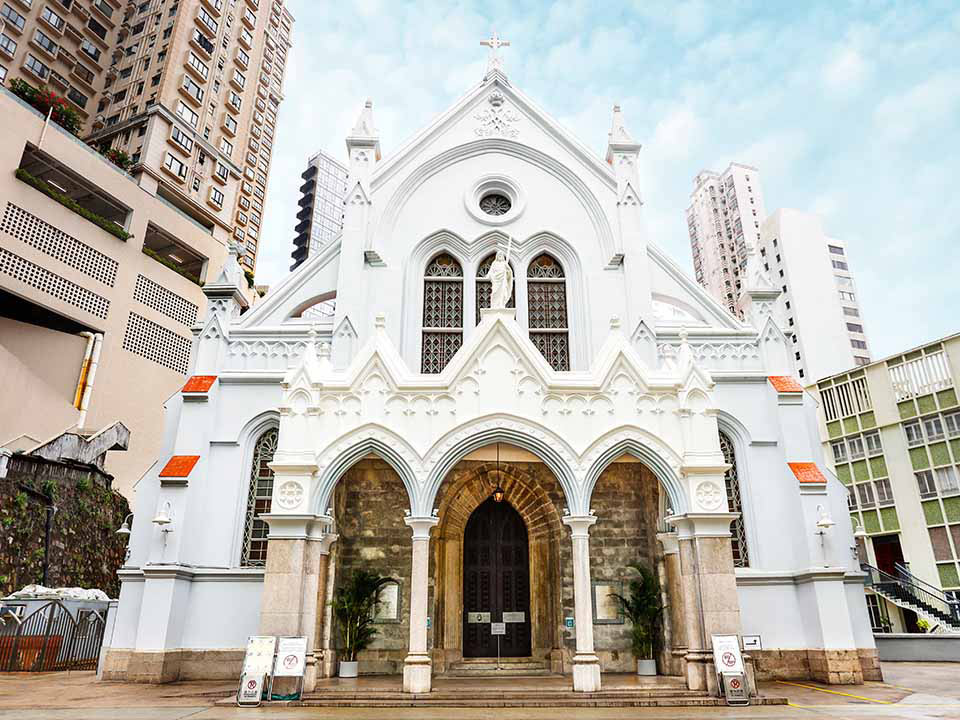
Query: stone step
(474,694)
(553,702)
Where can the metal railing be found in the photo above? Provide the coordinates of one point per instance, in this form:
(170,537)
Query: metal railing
(50,638)
(907,588)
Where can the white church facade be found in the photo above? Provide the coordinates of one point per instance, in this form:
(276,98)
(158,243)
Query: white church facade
(362,413)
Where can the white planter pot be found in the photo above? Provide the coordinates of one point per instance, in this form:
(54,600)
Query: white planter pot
(646,667)
(348,669)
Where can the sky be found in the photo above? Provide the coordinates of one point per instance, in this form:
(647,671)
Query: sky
(849,110)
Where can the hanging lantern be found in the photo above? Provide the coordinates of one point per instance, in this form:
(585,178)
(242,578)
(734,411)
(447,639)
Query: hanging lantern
(498,491)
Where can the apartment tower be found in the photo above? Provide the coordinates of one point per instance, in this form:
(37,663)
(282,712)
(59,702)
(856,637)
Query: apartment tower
(723,218)
(189,89)
(818,298)
(320,218)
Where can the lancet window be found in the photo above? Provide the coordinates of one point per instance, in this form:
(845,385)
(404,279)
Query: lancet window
(484,287)
(442,312)
(547,310)
(738,534)
(259,494)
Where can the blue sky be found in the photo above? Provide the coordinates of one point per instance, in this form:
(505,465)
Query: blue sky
(849,110)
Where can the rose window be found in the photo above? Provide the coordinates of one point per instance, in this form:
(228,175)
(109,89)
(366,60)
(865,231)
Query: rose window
(495,204)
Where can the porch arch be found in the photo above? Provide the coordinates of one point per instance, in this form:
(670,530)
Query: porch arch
(534,438)
(650,451)
(386,445)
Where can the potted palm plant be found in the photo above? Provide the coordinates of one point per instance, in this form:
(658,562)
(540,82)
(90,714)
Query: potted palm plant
(353,606)
(644,608)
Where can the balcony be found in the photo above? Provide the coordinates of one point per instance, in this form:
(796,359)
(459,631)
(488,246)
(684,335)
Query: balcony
(83,74)
(58,79)
(80,11)
(202,43)
(105,10)
(215,6)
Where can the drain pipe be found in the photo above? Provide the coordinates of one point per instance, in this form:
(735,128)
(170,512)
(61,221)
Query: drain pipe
(84,368)
(91,375)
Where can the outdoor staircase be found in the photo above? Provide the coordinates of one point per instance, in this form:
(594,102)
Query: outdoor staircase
(488,667)
(907,591)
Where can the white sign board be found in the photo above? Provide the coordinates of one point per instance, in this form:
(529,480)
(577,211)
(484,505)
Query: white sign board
(478,617)
(258,660)
(752,642)
(498,628)
(291,657)
(726,654)
(514,617)
(251,689)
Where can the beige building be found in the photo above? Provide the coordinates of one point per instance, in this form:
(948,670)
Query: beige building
(189,89)
(891,431)
(723,219)
(95,322)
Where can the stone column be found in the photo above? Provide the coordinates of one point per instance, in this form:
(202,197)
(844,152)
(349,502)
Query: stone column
(675,615)
(315,592)
(416,666)
(711,604)
(586,664)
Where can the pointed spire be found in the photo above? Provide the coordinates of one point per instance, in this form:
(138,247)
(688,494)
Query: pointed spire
(618,131)
(363,138)
(619,140)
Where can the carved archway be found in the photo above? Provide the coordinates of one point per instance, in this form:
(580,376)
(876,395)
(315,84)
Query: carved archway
(468,485)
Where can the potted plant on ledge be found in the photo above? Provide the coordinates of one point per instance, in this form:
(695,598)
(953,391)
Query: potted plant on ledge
(644,609)
(353,606)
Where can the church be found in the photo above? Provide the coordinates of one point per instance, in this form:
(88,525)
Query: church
(496,390)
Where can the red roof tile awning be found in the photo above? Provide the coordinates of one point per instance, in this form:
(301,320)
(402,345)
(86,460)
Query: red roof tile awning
(179,466)
(199,383)
(807,472)
(785,384)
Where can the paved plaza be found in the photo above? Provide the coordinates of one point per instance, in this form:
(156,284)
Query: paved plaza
(910,690)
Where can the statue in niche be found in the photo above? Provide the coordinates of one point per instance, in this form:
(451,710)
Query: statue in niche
(501,281)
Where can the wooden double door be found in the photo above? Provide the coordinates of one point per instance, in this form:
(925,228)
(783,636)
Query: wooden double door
(496,580)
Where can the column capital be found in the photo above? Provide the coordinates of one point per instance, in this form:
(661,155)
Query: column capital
(421,526)
(669,542)
(579,524)
(691,525)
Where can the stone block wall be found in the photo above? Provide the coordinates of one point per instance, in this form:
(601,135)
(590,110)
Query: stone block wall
(85,550)
(369,504)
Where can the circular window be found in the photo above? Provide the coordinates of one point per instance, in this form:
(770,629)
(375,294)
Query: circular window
(494,200)
(495,204)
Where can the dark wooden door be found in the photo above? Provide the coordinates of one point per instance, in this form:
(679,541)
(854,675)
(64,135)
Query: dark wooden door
(496,579)
(889,553)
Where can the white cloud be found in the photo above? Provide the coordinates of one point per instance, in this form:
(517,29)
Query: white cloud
(846,72)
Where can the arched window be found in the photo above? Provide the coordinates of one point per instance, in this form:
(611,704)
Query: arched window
(442,312)
(485,289)
(258,501)
(547,310)
(738,539)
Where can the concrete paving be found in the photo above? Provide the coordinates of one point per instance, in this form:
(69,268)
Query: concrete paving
(912,691)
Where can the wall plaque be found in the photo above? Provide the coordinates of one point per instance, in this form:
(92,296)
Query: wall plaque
(514,617)
(498,628)
(478,617)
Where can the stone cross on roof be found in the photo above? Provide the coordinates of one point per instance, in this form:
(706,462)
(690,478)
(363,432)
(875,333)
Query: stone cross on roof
(494,61)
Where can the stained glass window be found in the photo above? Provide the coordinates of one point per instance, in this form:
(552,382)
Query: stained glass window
(442,312)
(547,310)
(258,501)
(485,288)
(738,539)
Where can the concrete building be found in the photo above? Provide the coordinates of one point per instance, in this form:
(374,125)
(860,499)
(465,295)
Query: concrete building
(624,414)
(189,89)
(67,46)
(321,206)
(891,431)
(99,289)
(818,295)
(723,219)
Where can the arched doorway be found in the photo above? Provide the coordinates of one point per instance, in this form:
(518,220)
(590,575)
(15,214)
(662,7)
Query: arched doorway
(496,581)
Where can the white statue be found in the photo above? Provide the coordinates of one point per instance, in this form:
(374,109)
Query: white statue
(501,281)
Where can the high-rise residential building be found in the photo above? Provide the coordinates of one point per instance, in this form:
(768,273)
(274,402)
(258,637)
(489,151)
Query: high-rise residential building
(819,297)
(189,89)
(66,45)
(891,431)
(321,206)
(723,219)
(100,294)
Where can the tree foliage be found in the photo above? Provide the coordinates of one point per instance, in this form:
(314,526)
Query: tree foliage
(353,606)
(643,607)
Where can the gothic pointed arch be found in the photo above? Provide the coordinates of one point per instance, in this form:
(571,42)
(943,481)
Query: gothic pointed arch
(547,310)
(442,324)
(259,493)
(484,286)
(738,529)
